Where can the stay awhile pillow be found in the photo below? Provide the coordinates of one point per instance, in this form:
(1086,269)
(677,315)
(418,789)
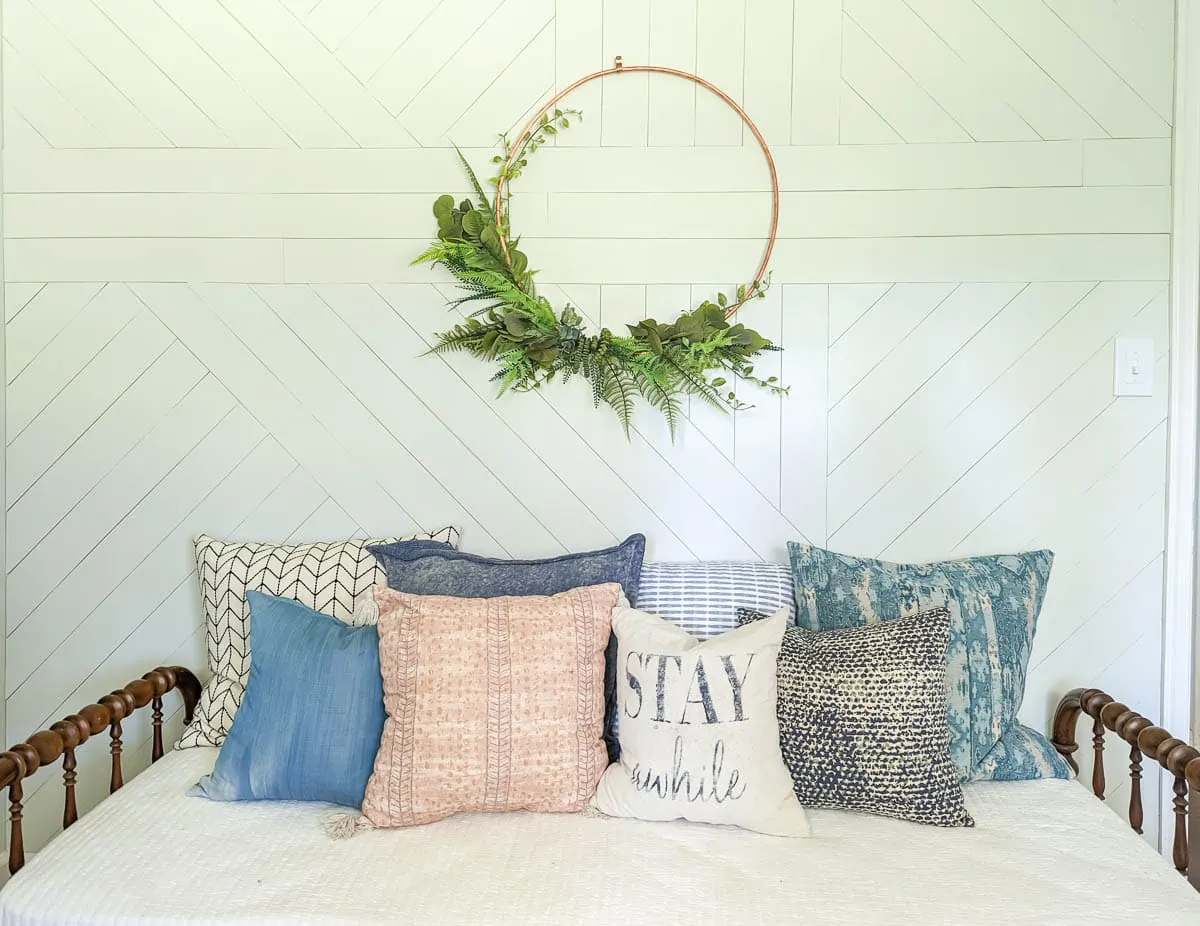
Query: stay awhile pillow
(322,576)
(994,602)
(862,718)
(464,575)
(699,734)
(310,723)
(493,704)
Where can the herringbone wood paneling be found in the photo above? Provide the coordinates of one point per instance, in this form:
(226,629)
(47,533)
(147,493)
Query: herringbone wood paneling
(211,326)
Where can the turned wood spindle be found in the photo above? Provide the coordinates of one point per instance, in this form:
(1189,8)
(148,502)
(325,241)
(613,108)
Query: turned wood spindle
(1135,789)
(1098,765)
(70,811)
(156,716)
(16,839)
(117,781)
(64,737)
(1193,773)
(1180,853)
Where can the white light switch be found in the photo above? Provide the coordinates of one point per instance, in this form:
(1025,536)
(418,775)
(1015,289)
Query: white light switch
(1134,367)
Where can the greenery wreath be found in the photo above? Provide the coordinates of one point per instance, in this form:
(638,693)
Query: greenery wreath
(533,344)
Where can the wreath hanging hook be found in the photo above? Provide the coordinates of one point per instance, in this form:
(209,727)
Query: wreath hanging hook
(533,344)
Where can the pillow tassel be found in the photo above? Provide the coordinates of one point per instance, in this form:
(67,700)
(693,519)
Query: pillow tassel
(345,825)
(366,610)
(592,812)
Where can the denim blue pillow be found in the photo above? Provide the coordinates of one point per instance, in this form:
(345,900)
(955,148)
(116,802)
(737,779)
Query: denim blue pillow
(464,575)
(994,602)
(312,718)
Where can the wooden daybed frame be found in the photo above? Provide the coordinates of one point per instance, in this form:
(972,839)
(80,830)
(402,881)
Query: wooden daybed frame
(1181,761)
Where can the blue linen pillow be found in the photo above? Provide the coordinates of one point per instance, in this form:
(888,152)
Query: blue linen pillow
(312,718)
(465,575)
(994,603)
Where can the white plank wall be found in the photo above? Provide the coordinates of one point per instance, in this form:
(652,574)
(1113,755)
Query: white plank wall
(211,322)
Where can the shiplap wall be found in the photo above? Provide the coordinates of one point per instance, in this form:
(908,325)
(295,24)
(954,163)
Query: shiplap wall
(210,206)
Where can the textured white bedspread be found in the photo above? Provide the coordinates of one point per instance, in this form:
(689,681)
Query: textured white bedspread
(1041,852)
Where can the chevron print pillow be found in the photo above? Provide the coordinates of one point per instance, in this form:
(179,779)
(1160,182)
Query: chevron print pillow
(323,576)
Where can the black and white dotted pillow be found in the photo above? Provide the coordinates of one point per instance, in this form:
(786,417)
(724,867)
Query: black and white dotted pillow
(862,718)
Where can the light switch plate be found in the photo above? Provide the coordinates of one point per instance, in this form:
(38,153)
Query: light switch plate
(1134,373)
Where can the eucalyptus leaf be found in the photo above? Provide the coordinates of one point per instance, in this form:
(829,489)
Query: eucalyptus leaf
(517,325)
(473,223)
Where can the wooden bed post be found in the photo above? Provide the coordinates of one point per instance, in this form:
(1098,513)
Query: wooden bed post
(1146,741)
(1193,778)
(65,736)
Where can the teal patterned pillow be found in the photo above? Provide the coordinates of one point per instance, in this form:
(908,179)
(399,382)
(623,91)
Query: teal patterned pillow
(994,603)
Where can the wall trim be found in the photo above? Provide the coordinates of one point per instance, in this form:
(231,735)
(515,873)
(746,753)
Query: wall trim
(1179,707)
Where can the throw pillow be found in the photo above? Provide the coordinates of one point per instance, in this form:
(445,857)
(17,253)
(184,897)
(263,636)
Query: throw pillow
(465,575)
(699,734)
(862,719)
(703,597)
(493,704)
(323,576)
(994,602)
(310,723)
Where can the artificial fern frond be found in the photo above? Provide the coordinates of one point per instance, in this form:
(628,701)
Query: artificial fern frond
(697,385)
(663,400)
(478,187)
(459,338)
(620,393)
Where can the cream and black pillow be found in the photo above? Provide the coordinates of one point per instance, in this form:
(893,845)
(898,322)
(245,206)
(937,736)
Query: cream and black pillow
(327,577)
(862,718)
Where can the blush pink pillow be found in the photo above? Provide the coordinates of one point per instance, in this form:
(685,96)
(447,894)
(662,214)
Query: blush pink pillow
(493,704)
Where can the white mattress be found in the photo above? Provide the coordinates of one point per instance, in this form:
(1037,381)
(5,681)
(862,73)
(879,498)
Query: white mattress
(1041,852)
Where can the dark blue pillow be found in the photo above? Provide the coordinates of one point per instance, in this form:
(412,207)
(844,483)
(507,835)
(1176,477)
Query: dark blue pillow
(465,575)
(312,718)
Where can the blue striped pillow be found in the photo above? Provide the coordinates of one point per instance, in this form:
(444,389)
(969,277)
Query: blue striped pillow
(703,597)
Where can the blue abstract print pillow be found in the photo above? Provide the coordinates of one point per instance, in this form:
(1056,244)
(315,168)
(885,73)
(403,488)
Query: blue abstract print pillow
(312,718)
(994,602)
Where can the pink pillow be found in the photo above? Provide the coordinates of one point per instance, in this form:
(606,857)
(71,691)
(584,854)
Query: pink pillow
(493,704)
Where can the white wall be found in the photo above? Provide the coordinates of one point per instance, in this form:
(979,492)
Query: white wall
(212,326)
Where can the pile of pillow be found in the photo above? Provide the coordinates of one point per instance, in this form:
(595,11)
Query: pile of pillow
(413,681)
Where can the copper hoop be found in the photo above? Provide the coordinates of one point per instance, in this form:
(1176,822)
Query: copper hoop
(620,68)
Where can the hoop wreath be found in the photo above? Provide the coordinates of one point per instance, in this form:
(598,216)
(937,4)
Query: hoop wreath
(533,344)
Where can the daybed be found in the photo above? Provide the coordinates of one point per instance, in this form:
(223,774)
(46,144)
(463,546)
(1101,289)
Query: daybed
(1041,852)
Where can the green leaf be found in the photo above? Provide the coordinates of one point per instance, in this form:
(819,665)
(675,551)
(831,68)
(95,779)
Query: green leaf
(718,382)
(473,223)
(517,325)
(443,206)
